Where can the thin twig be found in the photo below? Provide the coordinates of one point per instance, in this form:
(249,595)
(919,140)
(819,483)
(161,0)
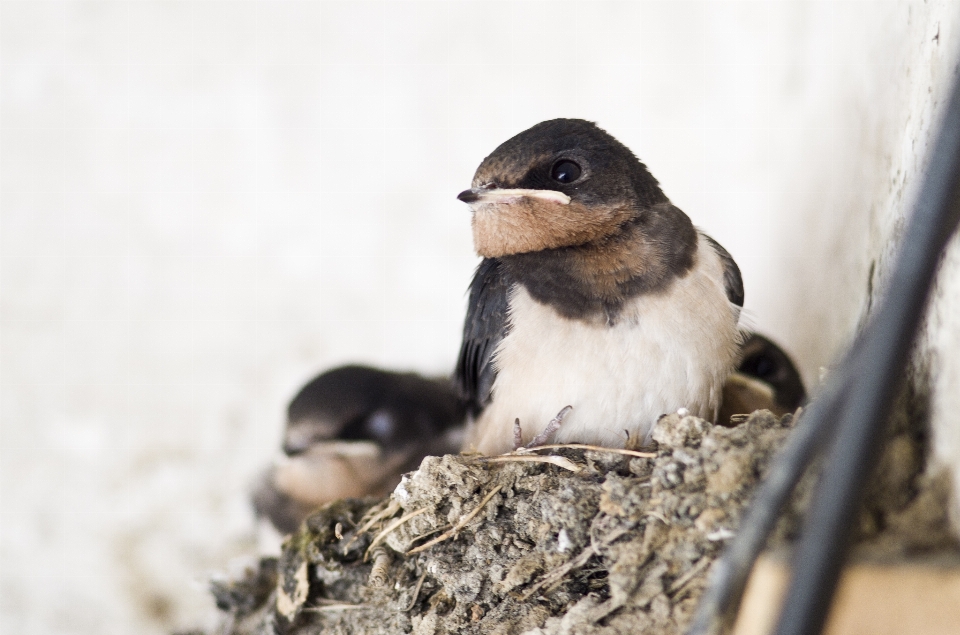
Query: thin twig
(342,606)
(683,580)
(559,461)
(595,448)
(658,516)
(386,512)
(460,524)
(557,574)
(561,571)
(416,592)
(389,528)
(387,508)
(437,530)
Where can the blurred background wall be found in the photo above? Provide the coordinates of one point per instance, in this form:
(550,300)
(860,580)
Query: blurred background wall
(203,203)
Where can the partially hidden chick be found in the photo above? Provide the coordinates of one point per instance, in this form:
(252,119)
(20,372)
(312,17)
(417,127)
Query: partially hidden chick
(766,378)
(352,432)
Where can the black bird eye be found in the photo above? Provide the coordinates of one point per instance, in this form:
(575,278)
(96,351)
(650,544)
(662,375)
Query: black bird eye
(565,171)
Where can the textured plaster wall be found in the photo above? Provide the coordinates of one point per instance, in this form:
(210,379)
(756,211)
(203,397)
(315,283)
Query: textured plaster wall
(202,203)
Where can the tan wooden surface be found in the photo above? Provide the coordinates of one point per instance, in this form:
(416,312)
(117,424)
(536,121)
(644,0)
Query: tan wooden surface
(873,599)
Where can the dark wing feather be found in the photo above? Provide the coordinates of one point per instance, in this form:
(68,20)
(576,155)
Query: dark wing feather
(732,281)
(484,328)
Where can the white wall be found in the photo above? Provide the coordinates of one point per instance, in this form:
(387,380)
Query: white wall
(202,203)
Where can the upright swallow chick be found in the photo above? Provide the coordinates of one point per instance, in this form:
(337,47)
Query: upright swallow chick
(594,292)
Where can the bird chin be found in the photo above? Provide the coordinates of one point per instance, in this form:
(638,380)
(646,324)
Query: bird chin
(519,224)
(337,469)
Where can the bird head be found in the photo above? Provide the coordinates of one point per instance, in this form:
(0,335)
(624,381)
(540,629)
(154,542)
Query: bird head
(561,183)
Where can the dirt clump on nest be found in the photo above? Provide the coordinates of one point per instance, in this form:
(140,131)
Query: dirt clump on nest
(575,541)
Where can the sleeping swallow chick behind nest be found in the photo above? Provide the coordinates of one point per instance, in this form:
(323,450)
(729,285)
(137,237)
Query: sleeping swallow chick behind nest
(594,292)
(352,432)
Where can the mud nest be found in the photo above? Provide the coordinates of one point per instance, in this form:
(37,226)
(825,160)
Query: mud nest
(593,541)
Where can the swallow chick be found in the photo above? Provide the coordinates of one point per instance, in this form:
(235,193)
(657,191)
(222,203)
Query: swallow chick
(353,431)
(760,357)
(765,378)
(595,291)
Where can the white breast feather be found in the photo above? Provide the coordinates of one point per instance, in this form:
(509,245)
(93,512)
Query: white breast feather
(667,351)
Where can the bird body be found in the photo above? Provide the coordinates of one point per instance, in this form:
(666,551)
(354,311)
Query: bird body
(665,351)
(595,292)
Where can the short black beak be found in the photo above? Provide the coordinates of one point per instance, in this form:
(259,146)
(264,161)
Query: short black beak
(468,196)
